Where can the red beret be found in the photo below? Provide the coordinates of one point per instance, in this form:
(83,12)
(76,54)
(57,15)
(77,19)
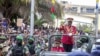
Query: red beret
(58,40)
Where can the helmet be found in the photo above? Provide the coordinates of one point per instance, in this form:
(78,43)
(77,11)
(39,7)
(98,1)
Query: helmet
(30,38)
(3,37)
(79,43)
(1,45)
(84,39)
(19,37)
(19,40)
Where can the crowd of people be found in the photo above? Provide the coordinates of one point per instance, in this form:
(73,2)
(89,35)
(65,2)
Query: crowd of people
(20,43)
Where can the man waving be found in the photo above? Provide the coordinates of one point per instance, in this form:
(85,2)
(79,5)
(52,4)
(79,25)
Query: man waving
(70,30)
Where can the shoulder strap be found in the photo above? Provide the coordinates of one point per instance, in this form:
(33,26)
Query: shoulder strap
(11,47)
(28,45)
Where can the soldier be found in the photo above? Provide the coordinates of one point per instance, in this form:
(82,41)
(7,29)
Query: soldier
(31,46)
(18,49)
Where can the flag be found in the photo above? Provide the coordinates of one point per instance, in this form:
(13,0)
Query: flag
(53,16)
(97,1)
(96,6)
(52,9)
(53,1)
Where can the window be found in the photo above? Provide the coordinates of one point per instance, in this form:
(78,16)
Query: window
(74,9)
(90,10)
(64,2)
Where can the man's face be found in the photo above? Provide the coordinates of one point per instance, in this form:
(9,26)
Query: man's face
(57,44)
(69,23)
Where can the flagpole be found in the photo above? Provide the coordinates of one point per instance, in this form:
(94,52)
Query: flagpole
(97,14)
(32,18)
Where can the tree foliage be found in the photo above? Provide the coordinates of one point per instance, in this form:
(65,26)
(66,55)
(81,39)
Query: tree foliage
(85,28)
(21,8)
(10,7)
(44,6)
(39,22)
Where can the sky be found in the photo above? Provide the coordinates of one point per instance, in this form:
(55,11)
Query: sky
(81,2)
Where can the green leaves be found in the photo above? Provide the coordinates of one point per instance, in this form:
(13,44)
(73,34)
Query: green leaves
(1,2)
(85,28)
(39,22)
(15,2)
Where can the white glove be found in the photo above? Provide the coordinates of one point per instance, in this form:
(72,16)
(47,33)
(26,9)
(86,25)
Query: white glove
(70,34)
